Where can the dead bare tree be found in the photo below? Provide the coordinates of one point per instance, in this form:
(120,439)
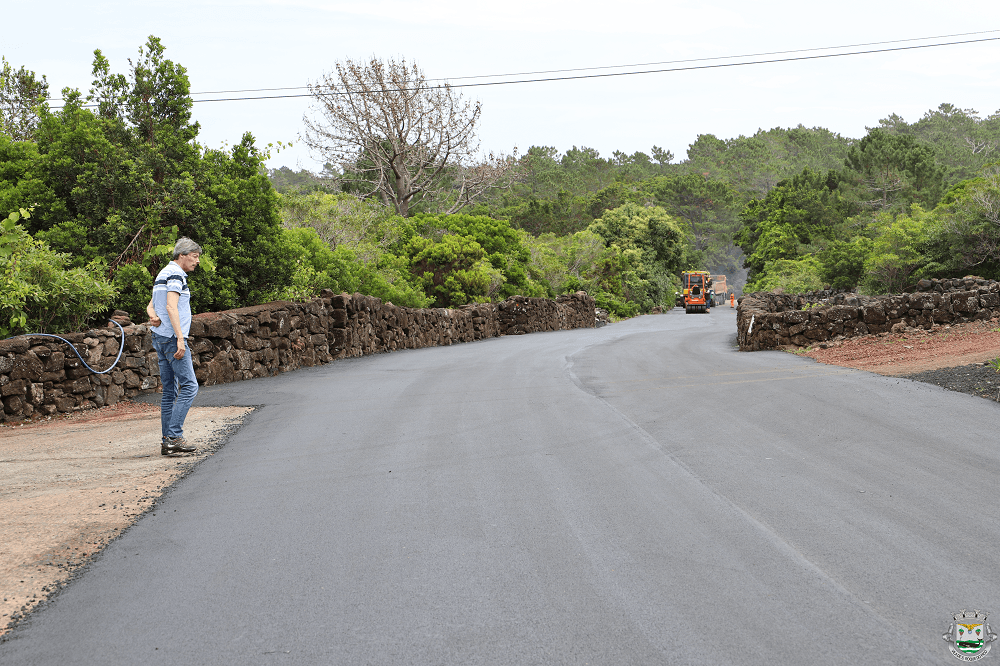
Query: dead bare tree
(396,136)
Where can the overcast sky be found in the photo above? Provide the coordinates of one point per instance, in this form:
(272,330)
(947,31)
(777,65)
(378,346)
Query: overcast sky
(231,45)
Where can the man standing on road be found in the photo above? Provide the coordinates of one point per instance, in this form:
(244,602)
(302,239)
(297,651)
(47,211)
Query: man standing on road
(169,313)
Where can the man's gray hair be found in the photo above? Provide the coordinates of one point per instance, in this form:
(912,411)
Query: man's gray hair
(186,246)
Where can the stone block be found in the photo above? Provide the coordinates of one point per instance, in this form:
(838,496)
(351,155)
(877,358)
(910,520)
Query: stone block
(27,366)
(242,359)
(77,372)
(941,316)
(14,387)
(133,343)
(13,405)
(81,385)
(219,370)
(796,329)
(281,324)
(65,403)
(874,315)
(41,351)
(132,380)
(153,363)
(219,325)
(966,302)
(55,362)
(202,346)
(197,329)
(113,394)
(14,346)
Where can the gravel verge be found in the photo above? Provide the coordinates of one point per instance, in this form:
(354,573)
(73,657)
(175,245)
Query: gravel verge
(978,379)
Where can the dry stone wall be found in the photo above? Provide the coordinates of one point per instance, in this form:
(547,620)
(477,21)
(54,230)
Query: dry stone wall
(40,375)
(771,321)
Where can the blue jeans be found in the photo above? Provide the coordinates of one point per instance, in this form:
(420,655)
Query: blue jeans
(179,385)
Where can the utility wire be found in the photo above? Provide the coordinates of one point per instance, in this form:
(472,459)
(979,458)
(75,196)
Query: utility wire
(651,71)
(640,64)
(643,64)
(612,74)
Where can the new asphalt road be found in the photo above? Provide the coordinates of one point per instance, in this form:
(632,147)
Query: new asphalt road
(642,493)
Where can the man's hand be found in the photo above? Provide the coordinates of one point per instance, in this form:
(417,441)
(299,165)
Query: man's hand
(179,354)
(155,322)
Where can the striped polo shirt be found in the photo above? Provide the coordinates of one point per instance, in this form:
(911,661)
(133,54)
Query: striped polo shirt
(172,278)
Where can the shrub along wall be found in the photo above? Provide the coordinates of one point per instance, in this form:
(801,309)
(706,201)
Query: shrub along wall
(40,375)
(769,321)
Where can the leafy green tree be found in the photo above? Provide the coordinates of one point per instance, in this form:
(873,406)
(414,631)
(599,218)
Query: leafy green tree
(21,96)
(896,252)
(39,291)
(648,250)
(20,182)
(842,263)
(963,234)
(794,219)
(707,156)
(586,170)
(963,142)
(318,267)
(501,244)
(709,210)
(897,170)
(121,182)
(366,226)
(567,263)
(239,223)
(453,271)
(303,181)
(791,276)
(539,174)
(753,165)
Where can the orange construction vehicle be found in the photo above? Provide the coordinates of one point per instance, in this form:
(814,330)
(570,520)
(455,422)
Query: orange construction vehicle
(721,289)
(696,285)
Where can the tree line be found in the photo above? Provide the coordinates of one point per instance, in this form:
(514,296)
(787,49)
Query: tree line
(408,209)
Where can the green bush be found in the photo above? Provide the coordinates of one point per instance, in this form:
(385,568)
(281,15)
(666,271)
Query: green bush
(502,247)
(39,291)
(317,267)
(453,271)
(793,276)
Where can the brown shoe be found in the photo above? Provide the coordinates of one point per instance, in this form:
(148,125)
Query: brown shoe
(172,445)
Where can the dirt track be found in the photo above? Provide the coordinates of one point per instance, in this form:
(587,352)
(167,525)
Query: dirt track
(915,350)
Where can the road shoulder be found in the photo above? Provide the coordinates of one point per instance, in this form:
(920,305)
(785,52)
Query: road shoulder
(73,485)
